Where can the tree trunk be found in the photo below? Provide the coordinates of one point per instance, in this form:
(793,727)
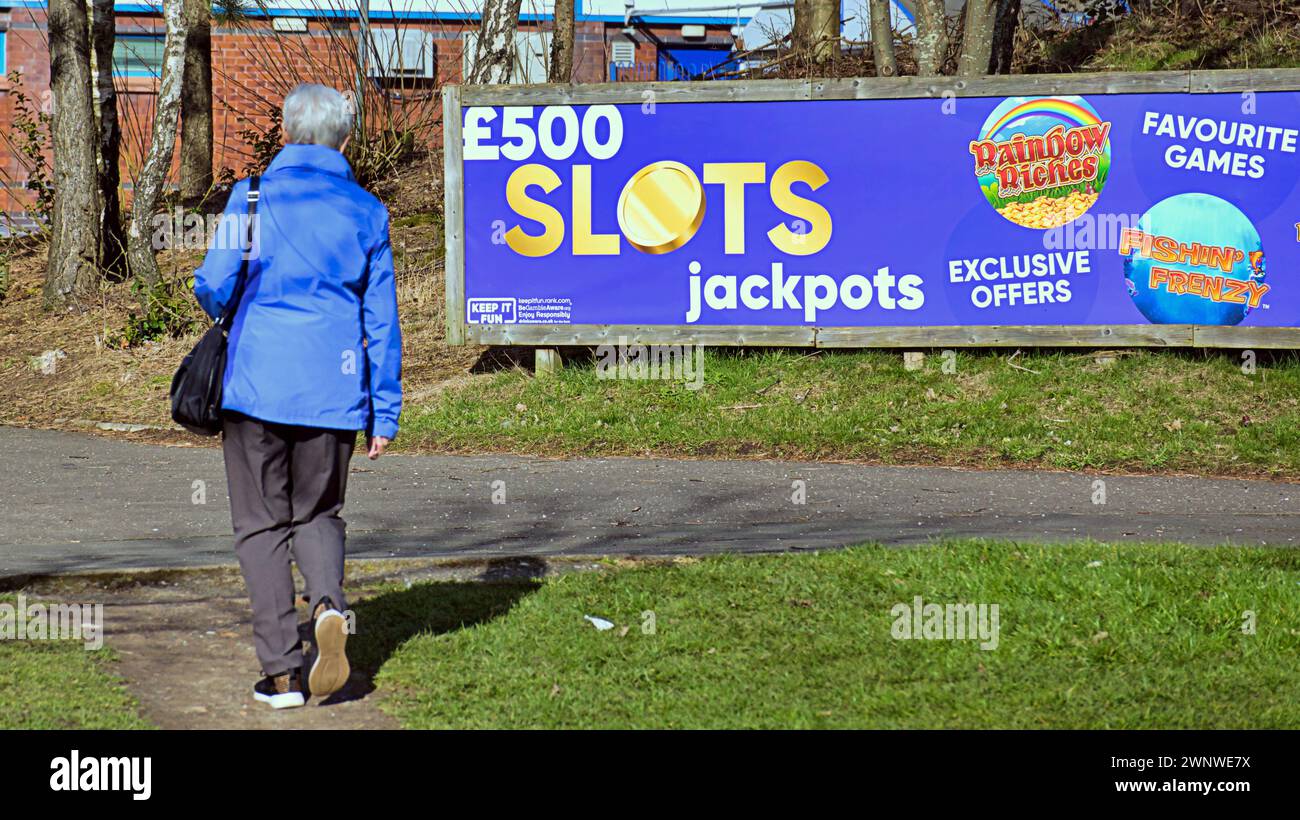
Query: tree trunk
(931,37)
(882,39)
(72,268)
(196,104)
(494,50)
(801,25)
(825,31)
(561,67)
(153,175)
(977,38)
(112,239)
(1004,36)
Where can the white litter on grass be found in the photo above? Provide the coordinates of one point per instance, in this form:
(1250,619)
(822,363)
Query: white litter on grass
(120,427)
(600,623)
(47,364)
(1094,564)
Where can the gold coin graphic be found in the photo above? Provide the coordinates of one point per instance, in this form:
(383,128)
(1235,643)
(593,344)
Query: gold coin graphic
(661,207)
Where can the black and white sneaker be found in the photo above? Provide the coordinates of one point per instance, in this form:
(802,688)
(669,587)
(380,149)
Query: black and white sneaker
(329,666)
(283,691)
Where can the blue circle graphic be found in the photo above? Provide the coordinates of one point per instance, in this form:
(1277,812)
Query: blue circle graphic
(1175,278)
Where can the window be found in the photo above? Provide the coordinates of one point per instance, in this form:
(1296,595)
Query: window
(401,53)
(138,55)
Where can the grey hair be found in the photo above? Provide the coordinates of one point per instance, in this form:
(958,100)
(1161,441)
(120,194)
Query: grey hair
(317,114)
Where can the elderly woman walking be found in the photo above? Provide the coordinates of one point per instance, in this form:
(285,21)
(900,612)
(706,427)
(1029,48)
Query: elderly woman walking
(314,356)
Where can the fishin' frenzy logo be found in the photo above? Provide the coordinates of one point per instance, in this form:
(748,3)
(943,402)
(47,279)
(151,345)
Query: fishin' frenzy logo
(1024,164)
(661,207)
(1211,286)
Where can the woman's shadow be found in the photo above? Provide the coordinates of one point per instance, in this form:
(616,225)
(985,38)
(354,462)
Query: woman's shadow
(387,620)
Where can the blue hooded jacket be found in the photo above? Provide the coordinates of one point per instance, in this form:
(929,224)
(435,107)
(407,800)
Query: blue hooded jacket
(316,340)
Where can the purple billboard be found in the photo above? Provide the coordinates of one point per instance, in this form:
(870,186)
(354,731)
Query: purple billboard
(1105,209)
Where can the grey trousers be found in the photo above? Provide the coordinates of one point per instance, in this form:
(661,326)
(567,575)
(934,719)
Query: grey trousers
(286,490)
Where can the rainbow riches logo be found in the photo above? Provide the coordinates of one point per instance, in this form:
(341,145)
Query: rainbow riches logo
(1042,161)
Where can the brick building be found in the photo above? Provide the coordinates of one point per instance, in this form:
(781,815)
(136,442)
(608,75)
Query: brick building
(416,47)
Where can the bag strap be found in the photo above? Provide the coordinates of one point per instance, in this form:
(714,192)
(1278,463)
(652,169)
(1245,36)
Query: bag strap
(254,194)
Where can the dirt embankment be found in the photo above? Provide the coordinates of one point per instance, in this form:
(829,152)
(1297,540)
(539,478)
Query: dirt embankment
(68,369)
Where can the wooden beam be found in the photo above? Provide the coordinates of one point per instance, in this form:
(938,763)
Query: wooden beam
(886,337)
(862,88)
(1261,338)
(1244,79)
(562,335)
(1008,336)
(877,88)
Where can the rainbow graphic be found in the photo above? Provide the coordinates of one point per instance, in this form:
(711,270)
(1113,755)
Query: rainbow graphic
(1034,117)
(1070,111)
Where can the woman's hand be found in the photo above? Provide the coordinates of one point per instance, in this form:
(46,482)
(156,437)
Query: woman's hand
(376,445)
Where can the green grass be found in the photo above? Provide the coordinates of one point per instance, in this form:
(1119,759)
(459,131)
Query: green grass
(1150,411)
(1151,637)
(1162,42)
(60,685)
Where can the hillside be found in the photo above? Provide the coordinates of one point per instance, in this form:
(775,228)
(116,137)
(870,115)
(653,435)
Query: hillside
(1215,34)
(101,374)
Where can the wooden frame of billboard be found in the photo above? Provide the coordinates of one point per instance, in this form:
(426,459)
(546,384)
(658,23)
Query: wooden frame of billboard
(455,98)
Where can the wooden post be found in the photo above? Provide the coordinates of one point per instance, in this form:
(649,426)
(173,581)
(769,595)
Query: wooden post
(454,213)
(546,362)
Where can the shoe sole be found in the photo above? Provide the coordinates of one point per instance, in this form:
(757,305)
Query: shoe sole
(284,700)
(330,670)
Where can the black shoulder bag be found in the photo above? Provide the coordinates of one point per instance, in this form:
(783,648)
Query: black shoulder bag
(196,387)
